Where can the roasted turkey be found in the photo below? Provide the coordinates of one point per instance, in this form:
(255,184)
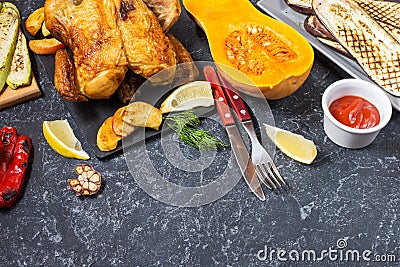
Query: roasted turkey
(106,38)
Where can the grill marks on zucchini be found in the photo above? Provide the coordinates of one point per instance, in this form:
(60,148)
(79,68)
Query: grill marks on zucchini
(20,73)
(15,64)
(9,26)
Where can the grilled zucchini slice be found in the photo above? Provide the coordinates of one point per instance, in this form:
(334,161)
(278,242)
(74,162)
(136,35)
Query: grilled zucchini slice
(21,72)
(9,27)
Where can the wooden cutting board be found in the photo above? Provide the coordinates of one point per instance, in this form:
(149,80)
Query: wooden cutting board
(10,97)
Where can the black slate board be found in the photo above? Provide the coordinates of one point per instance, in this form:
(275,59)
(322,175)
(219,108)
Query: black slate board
(90,115)
(87,115)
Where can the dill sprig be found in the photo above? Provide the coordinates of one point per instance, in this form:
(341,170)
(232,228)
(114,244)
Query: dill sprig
(184,124)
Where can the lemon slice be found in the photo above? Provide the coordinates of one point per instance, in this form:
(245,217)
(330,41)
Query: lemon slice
(62,139)
(188,96)
(292,145)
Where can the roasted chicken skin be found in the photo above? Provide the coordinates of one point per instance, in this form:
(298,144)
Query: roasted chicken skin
(145,45)
(186,71)
(90,31)
(64,77)
(106,38)
(166,11)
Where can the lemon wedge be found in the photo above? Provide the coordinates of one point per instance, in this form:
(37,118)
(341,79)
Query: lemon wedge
(188,96)
(293,145)
(62,139)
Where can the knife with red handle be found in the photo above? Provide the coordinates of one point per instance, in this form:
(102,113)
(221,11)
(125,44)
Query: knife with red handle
(235,100)
(219,96)
(238,147)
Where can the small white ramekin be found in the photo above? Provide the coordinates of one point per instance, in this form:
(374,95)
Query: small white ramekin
(346,136)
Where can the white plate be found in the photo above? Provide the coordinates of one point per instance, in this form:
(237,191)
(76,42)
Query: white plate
(279,10)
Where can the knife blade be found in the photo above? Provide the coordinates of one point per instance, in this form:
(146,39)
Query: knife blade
(238,147)
(243,159)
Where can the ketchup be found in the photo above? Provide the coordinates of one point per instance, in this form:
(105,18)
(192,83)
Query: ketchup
(355,112)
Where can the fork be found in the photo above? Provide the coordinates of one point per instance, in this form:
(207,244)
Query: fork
(265,168)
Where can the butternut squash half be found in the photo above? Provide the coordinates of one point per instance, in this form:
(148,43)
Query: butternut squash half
(273,55)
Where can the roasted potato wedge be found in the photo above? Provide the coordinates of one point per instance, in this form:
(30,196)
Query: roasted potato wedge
(119,126)
(34,21)
(143,114)
(45,46)
(45,31)
(107,139)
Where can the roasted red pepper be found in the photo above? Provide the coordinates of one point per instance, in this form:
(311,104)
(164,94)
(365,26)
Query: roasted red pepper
(11,187)
(8,136)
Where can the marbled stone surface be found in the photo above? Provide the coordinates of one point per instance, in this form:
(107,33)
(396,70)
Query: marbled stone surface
(345,194)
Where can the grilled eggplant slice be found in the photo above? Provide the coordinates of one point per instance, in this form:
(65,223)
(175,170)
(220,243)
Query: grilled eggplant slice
(335,45)
(387,12)
(393,31)
(9,26)
(21,72)
(314,26)
(375,50)
(302,6)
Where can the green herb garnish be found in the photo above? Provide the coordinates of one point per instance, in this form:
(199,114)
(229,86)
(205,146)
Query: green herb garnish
(184,124)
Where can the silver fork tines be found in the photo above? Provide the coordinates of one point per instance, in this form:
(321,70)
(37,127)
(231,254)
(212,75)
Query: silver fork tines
(266,170)
(263,176)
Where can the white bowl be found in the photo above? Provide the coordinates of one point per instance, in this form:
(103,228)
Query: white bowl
(346,136)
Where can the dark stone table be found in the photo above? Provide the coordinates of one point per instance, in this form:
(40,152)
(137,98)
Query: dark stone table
(345,200)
